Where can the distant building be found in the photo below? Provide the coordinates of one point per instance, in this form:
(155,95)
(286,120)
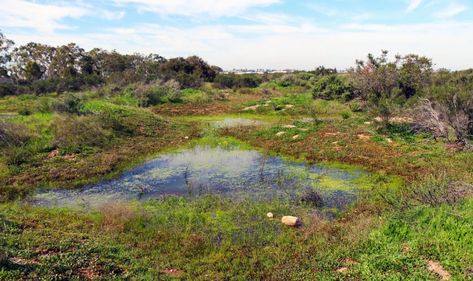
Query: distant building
(258,71)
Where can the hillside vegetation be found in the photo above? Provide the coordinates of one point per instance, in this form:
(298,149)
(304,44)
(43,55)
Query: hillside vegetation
(71,118)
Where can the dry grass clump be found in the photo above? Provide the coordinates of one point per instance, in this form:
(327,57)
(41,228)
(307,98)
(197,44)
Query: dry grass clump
(115,216)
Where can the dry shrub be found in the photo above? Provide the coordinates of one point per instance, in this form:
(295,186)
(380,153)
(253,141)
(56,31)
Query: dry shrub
(115,216)
(438,190)
(76,133)
(13,134)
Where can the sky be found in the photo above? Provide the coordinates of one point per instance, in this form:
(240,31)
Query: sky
(276,34)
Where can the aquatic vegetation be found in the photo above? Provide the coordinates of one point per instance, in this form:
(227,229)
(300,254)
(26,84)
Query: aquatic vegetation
(224,168)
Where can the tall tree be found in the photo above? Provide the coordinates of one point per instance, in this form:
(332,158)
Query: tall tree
(5,55)
(32,61)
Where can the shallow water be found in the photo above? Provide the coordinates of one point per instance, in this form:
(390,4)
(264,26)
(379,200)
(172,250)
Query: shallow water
(204,170)
(236,122)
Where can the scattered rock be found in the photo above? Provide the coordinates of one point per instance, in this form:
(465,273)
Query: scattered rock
(436,268)
(53,154)
(368,123)
(364,137)
(389,140)
(342,269)
(175,273)
(70,157)
(288,106)
(186,137)
(290,221)
(378,119)
(401,120)
(270,215)
(331,134)
(254,107)
(350,262)
(22,261)
(304,129)
(295,137)
(280,134)
(289,127)
(335,142)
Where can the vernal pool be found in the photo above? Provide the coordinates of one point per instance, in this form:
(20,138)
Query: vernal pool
(232,172)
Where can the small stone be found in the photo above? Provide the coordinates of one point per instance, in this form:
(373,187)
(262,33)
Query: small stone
(364,137)
(253,108)
(342,269)
(288,106)
(289,127)
(436,268)
(186,137)
(295,137)
(280,134)
(389,140)
(53,154)
(270,215)
(290,221)
(368,123)
(304,129)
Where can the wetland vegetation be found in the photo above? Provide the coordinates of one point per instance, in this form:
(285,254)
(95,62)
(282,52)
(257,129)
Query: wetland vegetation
(130,167)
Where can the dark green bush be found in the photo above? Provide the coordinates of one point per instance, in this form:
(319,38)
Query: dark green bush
(24,111)
(70,103)
(17,155)
(235,81)
(332,87)
(154,94)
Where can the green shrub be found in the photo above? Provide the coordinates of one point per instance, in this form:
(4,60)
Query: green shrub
(332,88)
(75,134)
(195,96)
(13,135)
(126,120)
(235,81)
(345,115)
(24,111)
(154,94)
(70,103)
(17,155)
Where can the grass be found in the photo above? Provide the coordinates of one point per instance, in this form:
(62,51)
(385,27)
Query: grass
(218,239)
(132,135)
(214,238)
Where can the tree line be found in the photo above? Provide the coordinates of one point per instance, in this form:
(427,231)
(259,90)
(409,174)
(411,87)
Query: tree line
(40,68)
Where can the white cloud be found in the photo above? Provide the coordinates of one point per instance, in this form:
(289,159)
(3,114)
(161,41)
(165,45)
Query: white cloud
(451,10)
(413,5)
(322,9)
(111,15)
(42,17)
(215,8)
(288,46)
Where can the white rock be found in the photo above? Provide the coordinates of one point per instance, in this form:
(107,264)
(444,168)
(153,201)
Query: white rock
(270,215)
(295,137)
(290,220)
(280,134)
(289,127)
(254,107)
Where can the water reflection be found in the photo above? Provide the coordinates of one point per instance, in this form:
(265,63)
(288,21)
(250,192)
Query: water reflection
(202,170)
